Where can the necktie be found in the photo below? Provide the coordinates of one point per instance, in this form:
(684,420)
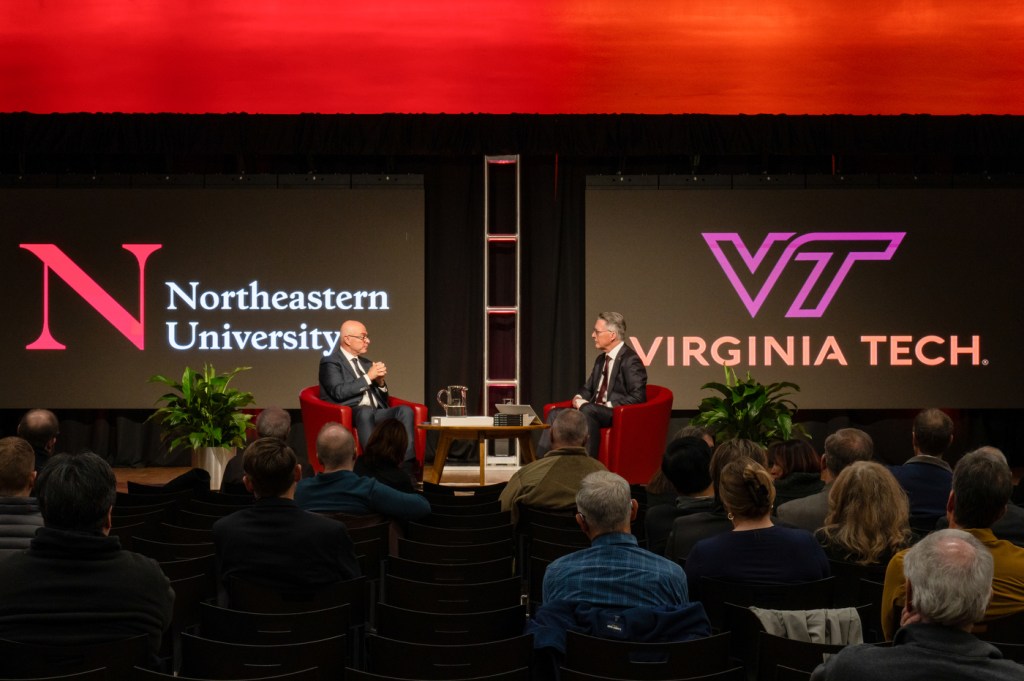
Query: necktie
(360,373)
(603,390)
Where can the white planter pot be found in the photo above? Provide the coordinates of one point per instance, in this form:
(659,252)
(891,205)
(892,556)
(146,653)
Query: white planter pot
(213,460)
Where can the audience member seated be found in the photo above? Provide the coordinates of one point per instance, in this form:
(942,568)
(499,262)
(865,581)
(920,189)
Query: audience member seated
(660,490)
(274,542)
(948,577)
(926,477)
(687,467)
(75,585)
(339,490)
(272,422)
(1011,526)
(981,489)
(19,510)
(385,451)
(796,469)
(551,483)
(868,517)
(755,550)
(842,448)
(40,428)
(613,589)
(689,529)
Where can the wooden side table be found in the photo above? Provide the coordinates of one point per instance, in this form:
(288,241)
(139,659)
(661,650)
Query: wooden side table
(481,434)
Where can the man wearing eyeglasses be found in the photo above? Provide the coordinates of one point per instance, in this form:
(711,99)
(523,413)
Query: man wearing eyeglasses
(350,379)
(618,377)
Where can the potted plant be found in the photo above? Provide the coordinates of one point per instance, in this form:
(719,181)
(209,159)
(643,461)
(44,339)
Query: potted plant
(204,413)
(748,409)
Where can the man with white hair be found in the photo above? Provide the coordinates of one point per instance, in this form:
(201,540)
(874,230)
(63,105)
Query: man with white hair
(948,585)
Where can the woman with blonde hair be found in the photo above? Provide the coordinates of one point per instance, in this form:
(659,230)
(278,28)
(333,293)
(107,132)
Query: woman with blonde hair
(868,516)
(756,550)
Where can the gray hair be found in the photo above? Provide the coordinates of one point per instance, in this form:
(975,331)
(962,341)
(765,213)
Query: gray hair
(569,429)
(605,501)
(847,446)
(335,446)
(950,573)
(273,422)
(614,322)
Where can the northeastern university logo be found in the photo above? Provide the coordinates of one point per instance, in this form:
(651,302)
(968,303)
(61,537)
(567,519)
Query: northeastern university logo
(820,248)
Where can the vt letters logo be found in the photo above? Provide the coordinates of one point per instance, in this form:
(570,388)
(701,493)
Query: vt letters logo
(817,247)
(56,261)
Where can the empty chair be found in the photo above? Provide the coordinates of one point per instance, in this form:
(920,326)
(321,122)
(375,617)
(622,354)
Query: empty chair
(407,660)
(428,534)
(24,660)
(140,674)
(125,533)
(206,508)
(153,515)
(450,573)
(447,628)
(167,551)
(453,598)
(235,626)
(224,499)
(198,521)
(435,553)
(467,521)
(203,658)
(630,660)
(176,534)
(190,567)
(516,675)
(251,597)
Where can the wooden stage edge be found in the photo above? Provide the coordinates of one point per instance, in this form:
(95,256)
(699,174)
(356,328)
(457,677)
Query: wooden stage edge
(467,476)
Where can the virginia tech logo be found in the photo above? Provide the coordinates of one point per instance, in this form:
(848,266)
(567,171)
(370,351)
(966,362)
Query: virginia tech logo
(817,247)
(58,262)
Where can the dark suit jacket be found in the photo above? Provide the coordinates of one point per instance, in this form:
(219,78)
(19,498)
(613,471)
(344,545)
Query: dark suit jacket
(339,383)
(627,379)
(277,544)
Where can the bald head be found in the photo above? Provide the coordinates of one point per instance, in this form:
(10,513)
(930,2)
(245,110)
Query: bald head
(39,427)
(354,338)
(335,447)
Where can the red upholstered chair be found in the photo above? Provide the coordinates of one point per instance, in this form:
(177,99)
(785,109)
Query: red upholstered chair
(635,442)
(317,412)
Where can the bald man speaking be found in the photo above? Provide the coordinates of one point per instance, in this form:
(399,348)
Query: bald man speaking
(350,379)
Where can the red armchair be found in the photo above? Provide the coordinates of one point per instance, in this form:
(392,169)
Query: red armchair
(317,412)
(635,442)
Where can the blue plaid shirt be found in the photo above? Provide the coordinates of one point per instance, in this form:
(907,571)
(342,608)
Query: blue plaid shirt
(615,572)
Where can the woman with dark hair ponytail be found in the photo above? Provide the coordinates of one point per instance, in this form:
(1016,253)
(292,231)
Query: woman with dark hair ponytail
(756,550)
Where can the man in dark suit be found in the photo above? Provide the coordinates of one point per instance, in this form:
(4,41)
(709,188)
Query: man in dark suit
(274,542)
(618,377)
(349,379)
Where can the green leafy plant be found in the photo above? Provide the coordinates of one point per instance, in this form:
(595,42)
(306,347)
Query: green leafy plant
(203,411)
(748,409)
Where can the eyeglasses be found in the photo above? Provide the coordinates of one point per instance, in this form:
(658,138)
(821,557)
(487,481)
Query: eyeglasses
(598,333)
(363,337)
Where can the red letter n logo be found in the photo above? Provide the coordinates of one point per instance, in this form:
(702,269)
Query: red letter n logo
(59,263)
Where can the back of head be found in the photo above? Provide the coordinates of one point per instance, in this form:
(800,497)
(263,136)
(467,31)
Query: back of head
(335,447)
(696,431)
(615,323)
(17,463)
(269,464)
(846,446)
(605,502)
(687,464)
(868,513)
(38,426)
(274,422)
(950,574)
(76,491)
(734,450)
(794,456)
(933,432)
(746,489)
(387,442)
(569,429)
(982,485)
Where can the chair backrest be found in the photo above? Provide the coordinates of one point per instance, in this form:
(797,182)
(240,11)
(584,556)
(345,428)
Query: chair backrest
(450,573)
(211,496)
(531,516)
(140,674)
(773,651)
(355,522)
(445,536)
(168,551)
(550,551)
(848,576)
(468,521)
(176,534)
(438,505)
(235,626)
(448,628)
(206,659)
(151,518)
(125,533)
(476,492)
(206,508)
(734,674)
(436,553)
(516,675)
(424,661)
(453,598)
(198,521)
(190,567)
(630,660)
(1008,629)
(636,440)
(100,674)
(252,597)
(25,660)
(714,593)
(151,498)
